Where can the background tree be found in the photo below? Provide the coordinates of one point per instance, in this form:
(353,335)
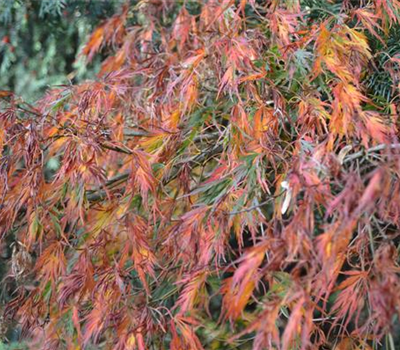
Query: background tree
(229,180)
(41,40)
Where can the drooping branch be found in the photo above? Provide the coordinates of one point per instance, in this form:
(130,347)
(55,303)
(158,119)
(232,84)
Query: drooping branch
(100,194)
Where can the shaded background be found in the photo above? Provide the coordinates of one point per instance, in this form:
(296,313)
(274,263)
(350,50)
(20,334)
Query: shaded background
(40,41)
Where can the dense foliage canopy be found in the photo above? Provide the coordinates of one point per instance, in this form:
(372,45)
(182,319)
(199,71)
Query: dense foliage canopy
(230,180)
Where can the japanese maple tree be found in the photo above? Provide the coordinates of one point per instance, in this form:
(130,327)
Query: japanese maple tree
(229,180)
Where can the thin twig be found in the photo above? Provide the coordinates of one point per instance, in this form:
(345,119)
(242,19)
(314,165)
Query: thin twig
(271,198)
(377,148)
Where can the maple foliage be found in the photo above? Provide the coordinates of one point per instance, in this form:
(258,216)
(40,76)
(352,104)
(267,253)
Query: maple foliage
(228,181)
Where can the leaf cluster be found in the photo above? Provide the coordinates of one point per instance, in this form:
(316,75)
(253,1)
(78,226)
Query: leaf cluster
(229,180)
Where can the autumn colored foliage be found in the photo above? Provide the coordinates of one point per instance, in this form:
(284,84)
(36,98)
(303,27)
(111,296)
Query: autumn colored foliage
(230,180)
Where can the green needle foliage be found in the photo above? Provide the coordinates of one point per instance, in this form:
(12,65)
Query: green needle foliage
(40,42)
